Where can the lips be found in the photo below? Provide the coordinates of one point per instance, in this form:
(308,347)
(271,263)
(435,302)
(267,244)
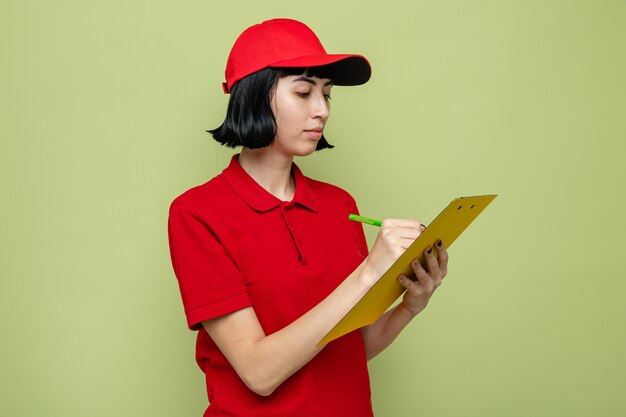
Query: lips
(314,133)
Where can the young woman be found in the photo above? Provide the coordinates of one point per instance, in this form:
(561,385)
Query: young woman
(266,258)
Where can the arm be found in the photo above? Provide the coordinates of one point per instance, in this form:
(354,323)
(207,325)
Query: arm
(263,362)
(380,334)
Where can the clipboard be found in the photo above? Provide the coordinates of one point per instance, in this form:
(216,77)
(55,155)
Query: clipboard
(447,226)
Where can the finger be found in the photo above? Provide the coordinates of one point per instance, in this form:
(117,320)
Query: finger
(392,232)
(401,234)
(402,223)
(401,228)
(412,234)
(421,226)
(431,262)
(442,258)
(413,287)
(405,243)
(422,275)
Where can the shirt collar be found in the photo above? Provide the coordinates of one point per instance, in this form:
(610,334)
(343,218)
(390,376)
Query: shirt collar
(260,199)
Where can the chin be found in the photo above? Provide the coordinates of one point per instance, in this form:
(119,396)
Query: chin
(305,152)
(298,148)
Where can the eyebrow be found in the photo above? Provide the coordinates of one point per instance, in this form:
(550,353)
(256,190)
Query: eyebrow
(311,80)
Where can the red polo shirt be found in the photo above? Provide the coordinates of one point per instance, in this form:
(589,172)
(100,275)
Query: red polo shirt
(235,245)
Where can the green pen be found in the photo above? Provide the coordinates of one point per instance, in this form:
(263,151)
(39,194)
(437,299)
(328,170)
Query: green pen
(365,220)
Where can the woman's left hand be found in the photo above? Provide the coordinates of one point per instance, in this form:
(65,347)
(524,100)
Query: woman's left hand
(427,278)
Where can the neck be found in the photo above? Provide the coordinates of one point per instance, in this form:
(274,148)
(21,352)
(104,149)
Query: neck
(270,170)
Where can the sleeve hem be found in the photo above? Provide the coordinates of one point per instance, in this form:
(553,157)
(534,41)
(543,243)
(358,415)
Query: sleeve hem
(197,315)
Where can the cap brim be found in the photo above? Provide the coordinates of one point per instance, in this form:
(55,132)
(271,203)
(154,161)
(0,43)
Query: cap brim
(343,69)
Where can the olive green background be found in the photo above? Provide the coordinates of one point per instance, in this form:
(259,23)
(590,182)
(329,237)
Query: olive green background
(104,107)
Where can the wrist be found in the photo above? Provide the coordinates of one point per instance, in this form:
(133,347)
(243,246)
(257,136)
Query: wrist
(367,274)
(408,312)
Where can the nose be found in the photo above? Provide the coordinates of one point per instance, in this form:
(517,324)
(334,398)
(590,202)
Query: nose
(320,108)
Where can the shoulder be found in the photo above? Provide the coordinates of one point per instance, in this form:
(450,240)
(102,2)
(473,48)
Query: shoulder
(330,192)
(203,196)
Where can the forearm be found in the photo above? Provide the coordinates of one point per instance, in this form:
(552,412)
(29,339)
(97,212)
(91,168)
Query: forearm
(383,332)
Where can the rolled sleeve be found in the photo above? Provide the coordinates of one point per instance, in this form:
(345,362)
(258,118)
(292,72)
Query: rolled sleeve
(210,282)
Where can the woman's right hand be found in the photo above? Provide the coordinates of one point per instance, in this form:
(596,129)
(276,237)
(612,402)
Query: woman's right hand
(394,237)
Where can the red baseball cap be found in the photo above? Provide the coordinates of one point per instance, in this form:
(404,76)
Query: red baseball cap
(287,43)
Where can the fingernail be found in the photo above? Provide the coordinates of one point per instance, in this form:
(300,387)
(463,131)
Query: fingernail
(439,244)
(401,278)
(429,250)
(416,264)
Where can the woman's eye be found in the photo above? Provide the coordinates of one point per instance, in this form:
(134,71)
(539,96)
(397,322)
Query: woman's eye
(327,97)
(303,94)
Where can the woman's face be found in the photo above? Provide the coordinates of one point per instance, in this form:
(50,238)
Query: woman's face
(301,106)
